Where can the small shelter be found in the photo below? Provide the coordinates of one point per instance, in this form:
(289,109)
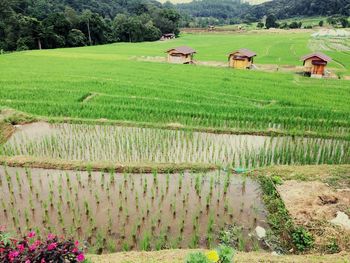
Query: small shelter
(241,59)
(168,36)
(181,55)
(315,64)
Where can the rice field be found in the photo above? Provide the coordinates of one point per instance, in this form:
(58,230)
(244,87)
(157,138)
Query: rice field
(120,212)
(133,145)
(102,105)
(56,84)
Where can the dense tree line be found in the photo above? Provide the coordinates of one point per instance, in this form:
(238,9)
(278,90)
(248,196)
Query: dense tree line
(205,12)
(212,12)
(36,24)
(286,8)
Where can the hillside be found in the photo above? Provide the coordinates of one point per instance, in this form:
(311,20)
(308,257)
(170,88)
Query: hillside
(232,11)
(252,2)
(287,8)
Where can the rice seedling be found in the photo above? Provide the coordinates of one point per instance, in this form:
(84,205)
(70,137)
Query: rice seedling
(131,145)
(101,217)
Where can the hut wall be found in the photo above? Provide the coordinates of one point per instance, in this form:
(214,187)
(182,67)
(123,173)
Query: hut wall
(312,69)
(174,57)
(240,63)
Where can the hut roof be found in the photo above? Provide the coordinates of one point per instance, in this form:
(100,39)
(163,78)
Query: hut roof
(246,52)
(318,55)
(183,50)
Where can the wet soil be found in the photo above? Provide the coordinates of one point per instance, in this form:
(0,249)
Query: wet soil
(134,211)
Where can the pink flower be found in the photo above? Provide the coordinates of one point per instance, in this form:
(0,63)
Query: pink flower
(76,243)
(31,234)
(75,250)
(52,246)
(27,261)
(32,247)
(20,247)
(37,242)
(13,255)
(43,261)
(80,257)
(50,236)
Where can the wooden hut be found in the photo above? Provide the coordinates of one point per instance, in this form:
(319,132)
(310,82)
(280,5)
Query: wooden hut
(315,64)
(167,36)
(241,59)
(181,55)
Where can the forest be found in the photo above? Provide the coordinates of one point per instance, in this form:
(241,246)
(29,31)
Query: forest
(218,12)
(29,24)
(45,24)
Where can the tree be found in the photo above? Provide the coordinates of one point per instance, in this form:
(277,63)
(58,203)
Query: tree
(344,22)
(271,21)
(86,17)
(260,25)
(295,24)
(76,38)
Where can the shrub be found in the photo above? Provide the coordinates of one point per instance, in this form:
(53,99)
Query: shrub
(225,254)
(302,239)
(197,257)
(30,250)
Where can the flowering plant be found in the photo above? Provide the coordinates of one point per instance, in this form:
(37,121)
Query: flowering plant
(32,250)
(223,254)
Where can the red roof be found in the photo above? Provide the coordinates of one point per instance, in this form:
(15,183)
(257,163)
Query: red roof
(183,50)
(318,55)
(245,52)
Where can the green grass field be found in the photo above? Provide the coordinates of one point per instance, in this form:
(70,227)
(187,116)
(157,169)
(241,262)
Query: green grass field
(54,83)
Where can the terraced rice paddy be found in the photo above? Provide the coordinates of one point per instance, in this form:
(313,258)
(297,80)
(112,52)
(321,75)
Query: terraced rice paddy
(93,143)
(55,84)
(132,211)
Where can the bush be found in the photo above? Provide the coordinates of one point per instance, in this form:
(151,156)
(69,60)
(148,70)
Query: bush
(225,254)
(302,239)
(197,257)
(30,250)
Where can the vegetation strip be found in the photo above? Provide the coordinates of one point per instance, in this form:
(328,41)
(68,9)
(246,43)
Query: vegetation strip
(175,126)
(290,238)
(32,162)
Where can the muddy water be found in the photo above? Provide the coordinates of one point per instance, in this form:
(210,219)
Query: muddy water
(123,209)
(144,145)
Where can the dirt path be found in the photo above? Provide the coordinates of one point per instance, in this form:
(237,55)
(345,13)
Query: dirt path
(178,256)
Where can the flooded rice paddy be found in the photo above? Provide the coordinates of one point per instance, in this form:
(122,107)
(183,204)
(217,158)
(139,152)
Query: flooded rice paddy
(96,143)
(116,212)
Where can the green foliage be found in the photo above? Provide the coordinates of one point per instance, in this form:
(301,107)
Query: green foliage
(277,180)
(271,21)
(232,236)
(196,257)
(76,38)
(332,247)
(226,254)
(70,23)
(302,239)
(278,218)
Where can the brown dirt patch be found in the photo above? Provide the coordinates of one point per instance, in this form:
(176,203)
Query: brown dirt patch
(178,256)
(313,200)
(314,204)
